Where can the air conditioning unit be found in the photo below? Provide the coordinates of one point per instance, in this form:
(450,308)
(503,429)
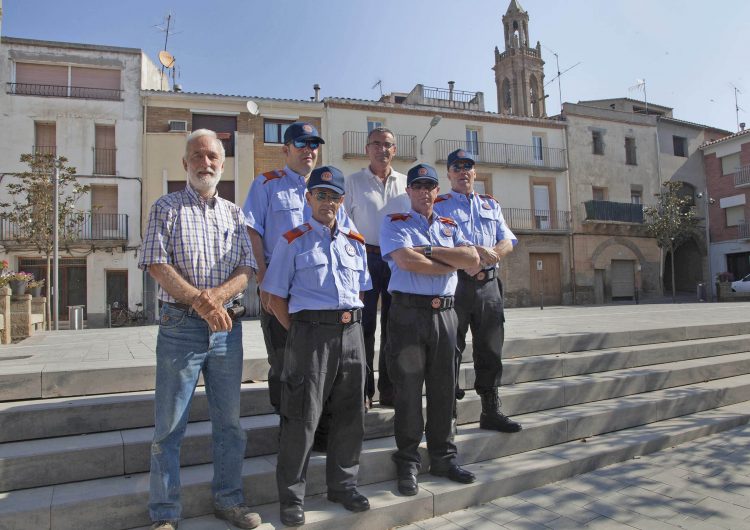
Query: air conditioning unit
(177,126)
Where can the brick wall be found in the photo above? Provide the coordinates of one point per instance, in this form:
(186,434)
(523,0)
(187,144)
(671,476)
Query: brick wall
(157,118)
(720,186)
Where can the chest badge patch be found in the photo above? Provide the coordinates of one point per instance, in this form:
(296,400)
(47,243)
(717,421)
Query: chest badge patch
(350,250)
(486,206)
(447,231)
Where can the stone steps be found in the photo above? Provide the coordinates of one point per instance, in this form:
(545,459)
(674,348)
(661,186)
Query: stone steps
(575,437)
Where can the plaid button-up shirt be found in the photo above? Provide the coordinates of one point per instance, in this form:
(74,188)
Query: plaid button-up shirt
(205,241)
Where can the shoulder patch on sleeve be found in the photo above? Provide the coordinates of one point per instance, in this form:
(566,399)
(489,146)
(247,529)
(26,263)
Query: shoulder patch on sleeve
(294,233)
(448,221)
(441,198)
(351,234)
(399,216)
(489,197)
(272,175)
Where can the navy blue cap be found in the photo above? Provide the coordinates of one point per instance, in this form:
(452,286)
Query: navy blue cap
(300,130)
(326,177)
(421,172)
(460,155)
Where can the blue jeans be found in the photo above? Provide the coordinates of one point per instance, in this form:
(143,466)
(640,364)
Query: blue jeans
(184,348)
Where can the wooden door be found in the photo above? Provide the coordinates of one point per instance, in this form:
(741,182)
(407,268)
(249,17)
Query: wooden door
(547,281)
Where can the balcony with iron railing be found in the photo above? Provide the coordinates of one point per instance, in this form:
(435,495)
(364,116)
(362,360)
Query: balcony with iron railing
(104,161)
(38,150)
(623,212)
(505,155)
(520,219)
(355,144)
(743,230)
(78,227)
(64,91)
(742,177)
(445,98)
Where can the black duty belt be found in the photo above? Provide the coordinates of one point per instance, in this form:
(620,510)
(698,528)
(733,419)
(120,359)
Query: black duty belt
(438,303)
(235,311)
(372,249)
(481,276)
(333,316)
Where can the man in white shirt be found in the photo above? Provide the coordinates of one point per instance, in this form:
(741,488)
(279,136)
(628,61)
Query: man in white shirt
(371,194)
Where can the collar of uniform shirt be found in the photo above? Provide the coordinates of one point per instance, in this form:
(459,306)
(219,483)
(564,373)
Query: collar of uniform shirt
(294,175)
(417,214)
(323,229)
(197,199)
(459,195)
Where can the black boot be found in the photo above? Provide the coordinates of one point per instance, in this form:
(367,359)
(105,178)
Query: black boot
(491,418)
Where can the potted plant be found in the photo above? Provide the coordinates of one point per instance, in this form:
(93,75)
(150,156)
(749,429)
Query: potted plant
(4,273)
(35,286)
(18,282)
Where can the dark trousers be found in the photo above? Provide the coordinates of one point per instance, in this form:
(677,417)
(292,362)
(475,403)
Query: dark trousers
(421,350)
(380,273)
(479,306)
(324,366)
(275,336)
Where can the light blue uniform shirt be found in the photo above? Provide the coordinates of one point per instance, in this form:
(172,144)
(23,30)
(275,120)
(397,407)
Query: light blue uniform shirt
(276,203)
(411,230)
(478,216)
(319,270)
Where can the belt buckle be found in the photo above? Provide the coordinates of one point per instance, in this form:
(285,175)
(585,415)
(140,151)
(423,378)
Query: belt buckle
(346,317)
(481,275)
(436,303)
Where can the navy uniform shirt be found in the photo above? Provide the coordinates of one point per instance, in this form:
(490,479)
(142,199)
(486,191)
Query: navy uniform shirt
(276,204)
(479,217)
(318,269)
(409,230)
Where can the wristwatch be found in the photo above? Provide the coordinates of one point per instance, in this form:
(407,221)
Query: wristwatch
(428,251)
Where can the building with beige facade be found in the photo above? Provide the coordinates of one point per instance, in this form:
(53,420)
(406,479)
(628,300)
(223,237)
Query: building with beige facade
(83,102)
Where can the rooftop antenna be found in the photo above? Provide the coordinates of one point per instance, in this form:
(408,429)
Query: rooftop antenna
(379,84)
(737,108)
(640,84)
(559,75)
(167,29)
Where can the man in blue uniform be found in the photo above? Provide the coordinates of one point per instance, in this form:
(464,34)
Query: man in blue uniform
(479,300)
(314,283)
(275,204)
(424,251)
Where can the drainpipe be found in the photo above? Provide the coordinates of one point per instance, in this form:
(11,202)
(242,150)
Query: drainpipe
(571,244)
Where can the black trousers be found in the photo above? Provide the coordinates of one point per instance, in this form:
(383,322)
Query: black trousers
(324,366)
(421,350)
(479,306)
(380,274)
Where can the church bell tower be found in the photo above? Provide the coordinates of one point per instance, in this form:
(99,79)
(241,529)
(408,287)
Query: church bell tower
(519,70)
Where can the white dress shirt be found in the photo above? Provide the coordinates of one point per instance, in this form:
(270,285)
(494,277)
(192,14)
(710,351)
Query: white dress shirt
(367,201)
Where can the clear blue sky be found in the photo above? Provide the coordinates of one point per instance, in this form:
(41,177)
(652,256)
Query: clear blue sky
(689,52)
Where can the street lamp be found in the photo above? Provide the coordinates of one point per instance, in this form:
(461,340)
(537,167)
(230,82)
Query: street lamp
(435,120)
(708,202)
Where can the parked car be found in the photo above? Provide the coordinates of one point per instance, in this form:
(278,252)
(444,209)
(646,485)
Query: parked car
(741,286)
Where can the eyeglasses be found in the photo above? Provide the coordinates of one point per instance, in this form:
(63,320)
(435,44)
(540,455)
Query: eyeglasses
(312,144)
(468,166)
(382,145)
(322,196)
(429,186)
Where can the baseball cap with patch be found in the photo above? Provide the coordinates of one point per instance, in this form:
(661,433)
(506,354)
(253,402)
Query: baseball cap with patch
(459,155)
(421,172)
(326,177)
(300,130)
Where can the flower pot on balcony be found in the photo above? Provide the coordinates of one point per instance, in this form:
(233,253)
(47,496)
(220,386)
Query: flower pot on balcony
(36,292)
(18,287)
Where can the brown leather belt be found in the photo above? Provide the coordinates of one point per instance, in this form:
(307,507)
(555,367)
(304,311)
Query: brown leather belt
(438,303)
(372,249)
(333,316)
(481,276)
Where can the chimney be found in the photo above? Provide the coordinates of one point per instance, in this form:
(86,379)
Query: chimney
(177,88)
(316,88)
(742,126)
(451,85)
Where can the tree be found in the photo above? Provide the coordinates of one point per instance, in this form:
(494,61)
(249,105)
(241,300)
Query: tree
(30,211)
(672,221)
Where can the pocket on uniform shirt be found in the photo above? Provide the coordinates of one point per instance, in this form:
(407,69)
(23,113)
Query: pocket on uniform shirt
(293,397)
(312,266)
(353,267)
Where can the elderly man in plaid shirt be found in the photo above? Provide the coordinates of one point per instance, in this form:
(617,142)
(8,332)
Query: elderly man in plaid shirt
(197,249)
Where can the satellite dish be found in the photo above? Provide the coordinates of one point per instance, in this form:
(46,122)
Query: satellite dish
(252,107)
(166,59)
